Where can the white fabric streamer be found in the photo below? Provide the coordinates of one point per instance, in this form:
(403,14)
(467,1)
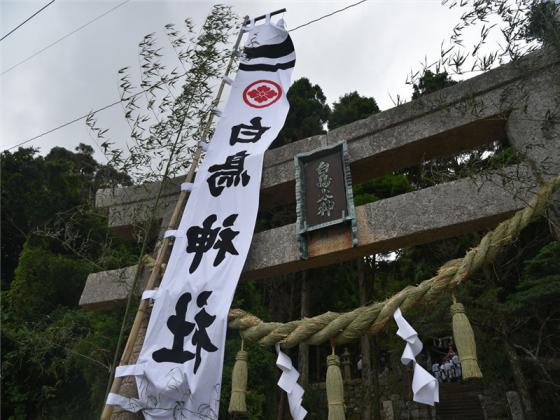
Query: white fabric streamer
(150,294)
(288,382)
(424,386)
(174,233)
(187,186)
(129,404)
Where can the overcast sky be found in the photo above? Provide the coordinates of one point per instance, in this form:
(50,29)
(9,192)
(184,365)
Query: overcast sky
(369,48)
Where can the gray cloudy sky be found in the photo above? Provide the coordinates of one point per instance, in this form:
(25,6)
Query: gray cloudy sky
(369,48)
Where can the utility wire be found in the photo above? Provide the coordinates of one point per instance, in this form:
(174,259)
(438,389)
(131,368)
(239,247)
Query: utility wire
(103,108)
(327,15)
(27,20)
(52,44)
(143,91)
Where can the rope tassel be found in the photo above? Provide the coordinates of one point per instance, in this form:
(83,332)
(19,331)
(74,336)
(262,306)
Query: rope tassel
(463,336)
(237,403)
(335,388)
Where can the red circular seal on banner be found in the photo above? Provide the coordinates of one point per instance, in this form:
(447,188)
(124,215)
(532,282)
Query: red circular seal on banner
(262,93)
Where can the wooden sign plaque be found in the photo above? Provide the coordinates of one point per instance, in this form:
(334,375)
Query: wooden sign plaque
(324,193)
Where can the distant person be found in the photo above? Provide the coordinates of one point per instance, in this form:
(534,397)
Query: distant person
(436,371)
(450,352)
(456,367)
(442,371)
(447,368)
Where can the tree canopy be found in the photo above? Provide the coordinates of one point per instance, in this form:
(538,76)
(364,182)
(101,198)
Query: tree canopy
(308,113)
(431,82)
(351,107)
(35,189)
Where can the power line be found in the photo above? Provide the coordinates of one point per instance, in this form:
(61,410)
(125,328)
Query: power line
(139,93)
(327,15)
(103,108)
(64,125)
(52,44)
(28,19)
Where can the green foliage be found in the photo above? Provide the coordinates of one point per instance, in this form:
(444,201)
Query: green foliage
(35,190)
(27,181)
(514,303)
(351,107)
(335,288)
(543,24)
(55,357)
(308,113)
(44,281)
(431,82)
(56,367)
(381,187)
(539,288)
(261,364)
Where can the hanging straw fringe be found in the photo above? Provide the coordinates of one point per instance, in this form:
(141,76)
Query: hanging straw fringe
(335,388)
(463,336)
(371,319)
(237,403)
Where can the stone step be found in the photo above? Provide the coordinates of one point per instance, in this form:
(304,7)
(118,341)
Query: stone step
(467,416)
(459,401)
(458,409)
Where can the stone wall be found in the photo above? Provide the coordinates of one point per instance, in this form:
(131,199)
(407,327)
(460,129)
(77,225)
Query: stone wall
(396,405)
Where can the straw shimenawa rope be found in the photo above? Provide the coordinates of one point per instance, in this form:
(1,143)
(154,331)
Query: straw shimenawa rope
(344,327)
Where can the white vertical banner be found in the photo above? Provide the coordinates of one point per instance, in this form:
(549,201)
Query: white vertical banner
(179,369)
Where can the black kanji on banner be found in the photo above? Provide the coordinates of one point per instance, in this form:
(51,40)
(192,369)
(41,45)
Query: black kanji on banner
(244,133)
(200,239)
(182,328)
(200,337)
(232,172)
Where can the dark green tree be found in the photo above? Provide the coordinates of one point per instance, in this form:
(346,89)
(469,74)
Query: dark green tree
(35,189)
(308,113)
(542,22)
(351,107)
(55,357)
(431,82)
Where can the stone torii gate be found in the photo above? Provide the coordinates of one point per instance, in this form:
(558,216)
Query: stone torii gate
(518,102)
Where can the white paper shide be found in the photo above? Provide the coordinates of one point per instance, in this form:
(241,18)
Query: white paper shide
(425,387)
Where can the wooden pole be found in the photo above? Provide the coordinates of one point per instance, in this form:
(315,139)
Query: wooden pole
(365,344)
(303,352)
(165,247)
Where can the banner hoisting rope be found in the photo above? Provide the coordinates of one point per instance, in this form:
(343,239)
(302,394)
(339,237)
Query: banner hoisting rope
(179,370)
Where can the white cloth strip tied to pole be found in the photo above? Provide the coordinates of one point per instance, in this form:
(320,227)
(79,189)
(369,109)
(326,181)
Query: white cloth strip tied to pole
(150,294)
(179,369)
(425,387)
(173,233)
(288,382)
(188,186)
(129,404)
